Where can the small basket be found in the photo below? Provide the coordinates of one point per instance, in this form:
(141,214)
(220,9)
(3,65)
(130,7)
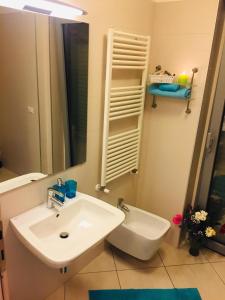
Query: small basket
(161,79)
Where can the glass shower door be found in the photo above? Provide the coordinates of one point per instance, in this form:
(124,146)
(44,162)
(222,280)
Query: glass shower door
(211,188)
(216,199)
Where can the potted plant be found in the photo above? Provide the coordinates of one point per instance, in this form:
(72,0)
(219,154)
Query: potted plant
(197,224)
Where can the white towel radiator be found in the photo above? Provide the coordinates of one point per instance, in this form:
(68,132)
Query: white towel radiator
(120,152)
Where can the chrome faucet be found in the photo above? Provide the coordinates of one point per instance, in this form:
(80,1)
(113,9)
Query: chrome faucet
(121,205)
(53,201)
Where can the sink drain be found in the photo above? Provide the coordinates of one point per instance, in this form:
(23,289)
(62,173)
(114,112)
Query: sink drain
(64,235)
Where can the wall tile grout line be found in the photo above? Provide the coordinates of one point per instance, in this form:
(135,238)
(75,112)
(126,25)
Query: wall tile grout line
(166,270)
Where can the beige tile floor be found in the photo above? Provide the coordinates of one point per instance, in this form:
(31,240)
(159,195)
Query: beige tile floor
(171,267)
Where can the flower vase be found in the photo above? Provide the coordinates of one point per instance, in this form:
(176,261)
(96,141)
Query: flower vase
(194,248)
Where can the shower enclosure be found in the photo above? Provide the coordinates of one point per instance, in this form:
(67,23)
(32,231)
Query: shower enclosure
(211,193)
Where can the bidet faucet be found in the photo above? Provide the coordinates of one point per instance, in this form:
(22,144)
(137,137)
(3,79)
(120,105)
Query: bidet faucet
(52,200)
(121,205)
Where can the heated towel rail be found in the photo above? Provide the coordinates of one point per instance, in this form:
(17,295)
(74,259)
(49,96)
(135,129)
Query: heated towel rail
(120,152)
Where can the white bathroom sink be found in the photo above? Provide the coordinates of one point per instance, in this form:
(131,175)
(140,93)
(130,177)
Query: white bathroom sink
(86,220)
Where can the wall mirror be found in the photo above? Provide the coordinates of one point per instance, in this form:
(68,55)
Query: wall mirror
(43,93)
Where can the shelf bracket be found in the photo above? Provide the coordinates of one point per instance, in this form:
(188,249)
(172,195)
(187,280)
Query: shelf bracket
(154,104)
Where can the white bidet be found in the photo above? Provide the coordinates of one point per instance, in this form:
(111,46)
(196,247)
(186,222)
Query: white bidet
(140,234)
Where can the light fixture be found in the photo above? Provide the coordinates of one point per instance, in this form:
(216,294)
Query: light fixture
(52,8)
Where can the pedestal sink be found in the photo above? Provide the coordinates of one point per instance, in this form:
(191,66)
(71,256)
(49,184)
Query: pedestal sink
(58,238)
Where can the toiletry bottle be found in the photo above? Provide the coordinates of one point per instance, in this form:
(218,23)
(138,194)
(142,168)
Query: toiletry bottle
(60,187)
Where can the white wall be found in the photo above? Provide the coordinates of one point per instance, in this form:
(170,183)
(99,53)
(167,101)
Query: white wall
(181,39)
(28,277)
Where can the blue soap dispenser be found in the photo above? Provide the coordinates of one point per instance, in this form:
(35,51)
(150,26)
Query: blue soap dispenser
(60,187)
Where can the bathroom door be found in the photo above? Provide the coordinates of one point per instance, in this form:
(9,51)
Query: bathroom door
(211,194)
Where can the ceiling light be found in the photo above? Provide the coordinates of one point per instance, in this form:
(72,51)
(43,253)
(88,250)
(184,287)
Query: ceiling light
(47,7)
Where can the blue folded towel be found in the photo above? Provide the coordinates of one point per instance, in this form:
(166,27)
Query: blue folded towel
(182,93)
(170,87)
